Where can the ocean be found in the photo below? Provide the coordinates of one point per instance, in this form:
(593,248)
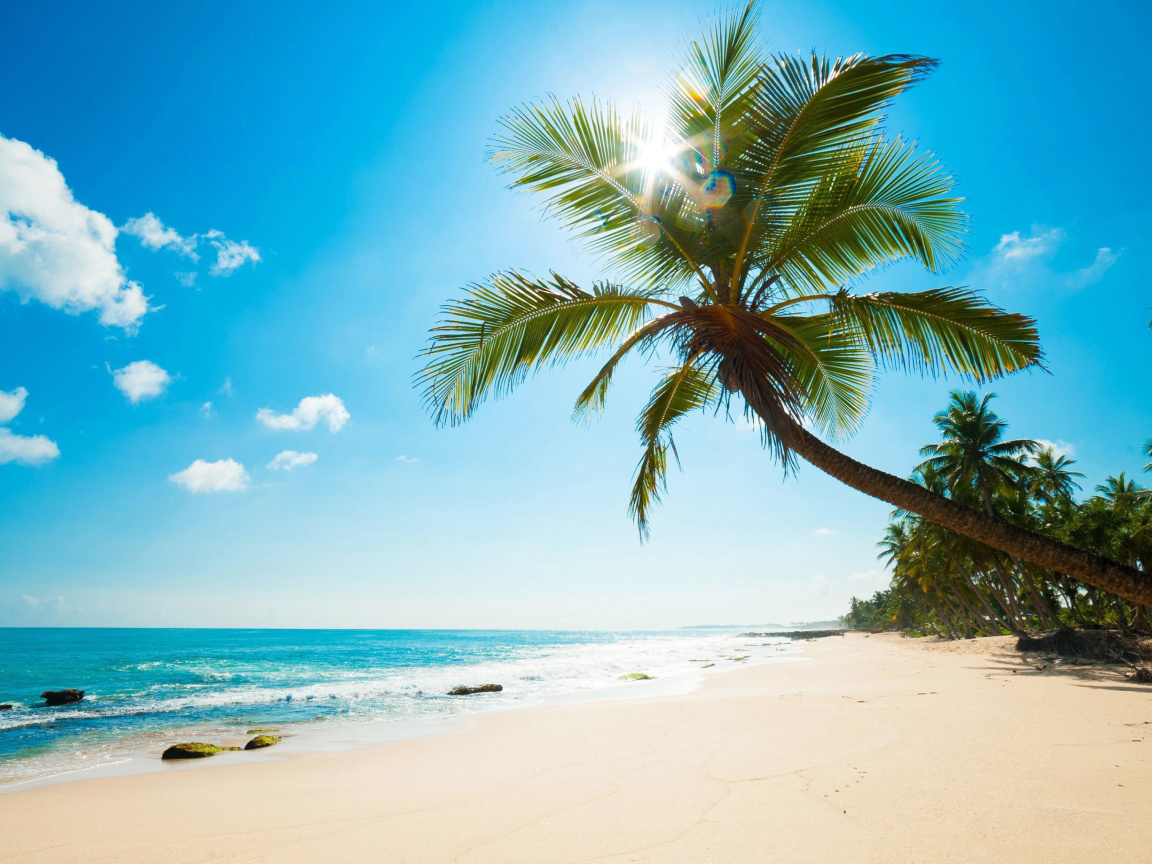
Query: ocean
(148,688)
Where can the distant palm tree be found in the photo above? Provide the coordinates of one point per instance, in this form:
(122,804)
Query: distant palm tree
(735,234)
(1119,490)
(974,455)
(1053,478)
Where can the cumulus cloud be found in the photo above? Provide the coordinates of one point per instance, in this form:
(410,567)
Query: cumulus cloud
(1014,248)
(1095,271)
(226,475)
(289,459)
(1060,448)
(54,249)
(206,411)
(230,255)
(154,235)
(311,410)
(408,460)
(11,403)
(141,380)
(188,279)
(26,449)
(822,532)
(21,449)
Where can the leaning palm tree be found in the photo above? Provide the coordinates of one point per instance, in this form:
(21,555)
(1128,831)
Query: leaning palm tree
(734,236)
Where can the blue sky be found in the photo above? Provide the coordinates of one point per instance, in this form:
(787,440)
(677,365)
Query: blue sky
(327,171)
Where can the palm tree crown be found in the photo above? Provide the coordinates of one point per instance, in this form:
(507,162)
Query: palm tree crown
(775,188)
(735,238)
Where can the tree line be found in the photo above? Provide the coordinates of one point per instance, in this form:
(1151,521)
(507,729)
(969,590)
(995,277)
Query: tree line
(946,584)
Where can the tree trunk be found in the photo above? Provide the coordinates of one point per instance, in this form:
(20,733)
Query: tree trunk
(1096,570)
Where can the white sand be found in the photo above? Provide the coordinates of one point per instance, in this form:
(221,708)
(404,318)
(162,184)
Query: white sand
(875,749)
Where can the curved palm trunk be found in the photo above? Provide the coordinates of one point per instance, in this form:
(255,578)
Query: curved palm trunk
(1096,570)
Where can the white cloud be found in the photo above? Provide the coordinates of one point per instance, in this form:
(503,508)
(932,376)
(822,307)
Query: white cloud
(141,380)
(822,532)
(206,410)
(56,250)
(1013,248)
(154,235)
(230,255)
(1095,271)
(408,460)
(186,279)
(226,475)
(226,387)
(289,459)
(866,576)
(1060,448)
(310,411)
(26,449)
(11,403)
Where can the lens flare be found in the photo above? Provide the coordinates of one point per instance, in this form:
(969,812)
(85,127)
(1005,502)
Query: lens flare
(647,231)
(717,189)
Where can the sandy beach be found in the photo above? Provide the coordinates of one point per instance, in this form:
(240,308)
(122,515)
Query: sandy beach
(872,749)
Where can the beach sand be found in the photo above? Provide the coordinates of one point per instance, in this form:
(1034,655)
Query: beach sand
(872,749)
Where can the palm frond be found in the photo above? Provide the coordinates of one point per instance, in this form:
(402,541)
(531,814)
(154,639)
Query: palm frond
(833,373)
(489,341)
(710,95)
(884,202)
(588,162)
(805,113)
(591,401)
(681,391)
(942,329)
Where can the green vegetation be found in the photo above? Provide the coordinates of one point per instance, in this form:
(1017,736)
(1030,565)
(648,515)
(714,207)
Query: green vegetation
(636,676)
(947,584)
(260,731)
(733,238)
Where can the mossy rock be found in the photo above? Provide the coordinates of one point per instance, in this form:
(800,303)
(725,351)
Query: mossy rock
(192,750)
(636,676)
(260,731)
(262,741)
(231,748)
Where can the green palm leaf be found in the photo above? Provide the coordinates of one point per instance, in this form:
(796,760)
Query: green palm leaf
(489,341)
(939,330)
(884,202)
(833,373)
(681,391)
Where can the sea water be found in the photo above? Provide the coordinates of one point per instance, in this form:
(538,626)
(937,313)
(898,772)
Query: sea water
(147,688)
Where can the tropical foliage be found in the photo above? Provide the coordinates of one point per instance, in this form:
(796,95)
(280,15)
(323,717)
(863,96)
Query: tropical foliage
(735,239)
(945,583)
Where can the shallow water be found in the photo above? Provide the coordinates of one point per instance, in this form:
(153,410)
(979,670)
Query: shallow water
(147,688)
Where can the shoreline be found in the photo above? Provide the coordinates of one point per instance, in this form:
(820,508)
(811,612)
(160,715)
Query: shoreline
(877,749)
(141,754)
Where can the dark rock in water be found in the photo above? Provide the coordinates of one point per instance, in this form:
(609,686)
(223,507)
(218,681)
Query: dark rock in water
(262,741)
(483,688)
(797,634)
(62,697)
(191,750)
(7,706)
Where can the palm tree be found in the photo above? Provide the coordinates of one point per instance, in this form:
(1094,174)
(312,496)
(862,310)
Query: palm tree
(974,457)
(1052,479)
(735,235)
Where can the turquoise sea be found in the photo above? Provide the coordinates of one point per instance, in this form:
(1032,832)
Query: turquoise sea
(146,688)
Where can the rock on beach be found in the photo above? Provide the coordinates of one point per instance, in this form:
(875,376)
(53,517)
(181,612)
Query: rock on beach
(483,688)
(62,697)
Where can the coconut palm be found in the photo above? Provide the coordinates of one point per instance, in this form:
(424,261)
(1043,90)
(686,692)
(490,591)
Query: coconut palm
(1053,478)
(735,237)
(974,459)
